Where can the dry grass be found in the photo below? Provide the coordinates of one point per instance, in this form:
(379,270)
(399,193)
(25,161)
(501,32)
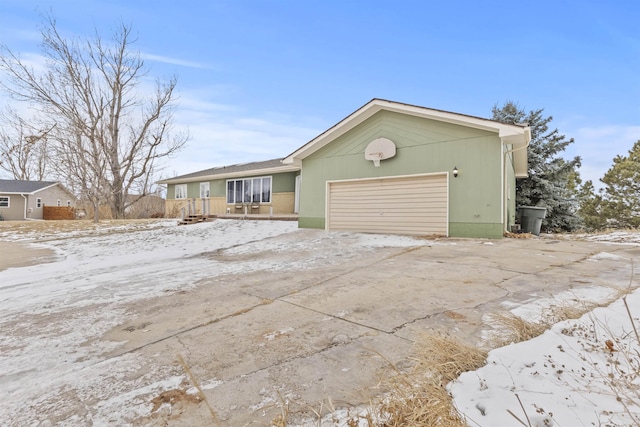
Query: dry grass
(60,226)
(518,235)
(419,397)
(281,419)
(515,329)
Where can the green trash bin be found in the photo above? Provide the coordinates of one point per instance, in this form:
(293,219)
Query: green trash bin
(531,218)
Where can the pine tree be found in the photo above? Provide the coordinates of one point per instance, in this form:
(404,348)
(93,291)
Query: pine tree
(621,204)
(591,209)
(551,181)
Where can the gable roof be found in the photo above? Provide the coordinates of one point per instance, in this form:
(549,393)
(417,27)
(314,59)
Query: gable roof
(13,186)
(234,171)
(517,135)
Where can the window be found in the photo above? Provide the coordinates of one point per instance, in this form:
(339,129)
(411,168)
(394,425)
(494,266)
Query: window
(266,190)
(250,190)
(68,203)
(4,202)
(247,190)
(238,192)
(181,191)
(204,190)
(230,187)
(255,193)
(58,203)
(38,203)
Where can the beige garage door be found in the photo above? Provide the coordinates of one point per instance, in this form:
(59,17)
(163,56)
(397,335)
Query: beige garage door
(406,205)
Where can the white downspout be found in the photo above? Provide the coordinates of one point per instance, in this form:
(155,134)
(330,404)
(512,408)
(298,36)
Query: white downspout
(504,184)
(26,202)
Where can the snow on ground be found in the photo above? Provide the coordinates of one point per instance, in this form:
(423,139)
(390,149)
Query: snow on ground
(583,372)
(616,237)
(566,377)
(85,289)
(132,265)
(101,272)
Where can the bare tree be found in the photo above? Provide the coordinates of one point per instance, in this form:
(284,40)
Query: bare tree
(107,135)
(23,147)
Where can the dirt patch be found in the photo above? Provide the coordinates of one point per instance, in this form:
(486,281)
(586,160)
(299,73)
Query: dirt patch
(16,254)
(174,398)
(455,315)
(48,230)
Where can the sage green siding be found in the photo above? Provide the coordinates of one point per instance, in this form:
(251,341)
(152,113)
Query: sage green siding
(193,190)
(284,182)
(422,146)
(218,188)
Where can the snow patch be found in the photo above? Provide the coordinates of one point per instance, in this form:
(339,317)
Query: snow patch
(567,376)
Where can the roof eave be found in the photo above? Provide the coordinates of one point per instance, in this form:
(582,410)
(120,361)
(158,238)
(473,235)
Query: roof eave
(245,173)
(32,192)
(49,186)
(376,105)
(520,143)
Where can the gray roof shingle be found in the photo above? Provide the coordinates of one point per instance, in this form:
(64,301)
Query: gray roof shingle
(20,186)
(243,167)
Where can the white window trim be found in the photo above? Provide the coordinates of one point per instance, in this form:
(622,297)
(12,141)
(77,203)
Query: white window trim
(38,202)
(59,203)
(249,179)
(8,202)
(184,186)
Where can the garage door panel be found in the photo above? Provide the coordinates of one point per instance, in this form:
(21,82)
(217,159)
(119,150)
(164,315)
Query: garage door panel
(406,195)
(397,228)
(341,187)
(405,191)
(391,203)
(407,205)
(426,210)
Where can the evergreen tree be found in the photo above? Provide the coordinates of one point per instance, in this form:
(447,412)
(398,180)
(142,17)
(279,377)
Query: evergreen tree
(622,190)
(591,208)
(552,181)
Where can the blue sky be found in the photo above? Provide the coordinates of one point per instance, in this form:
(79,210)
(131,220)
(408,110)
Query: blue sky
(258,79)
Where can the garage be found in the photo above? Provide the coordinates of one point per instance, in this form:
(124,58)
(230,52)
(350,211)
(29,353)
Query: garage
(398,168)
(416,204)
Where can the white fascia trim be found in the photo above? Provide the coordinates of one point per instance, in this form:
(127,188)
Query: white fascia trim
(19,193)
(504,131)
(332,133)
(247,173)
(47,187)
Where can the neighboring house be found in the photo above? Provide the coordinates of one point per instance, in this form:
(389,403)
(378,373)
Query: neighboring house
(20,200)
(395,168)
(267,187)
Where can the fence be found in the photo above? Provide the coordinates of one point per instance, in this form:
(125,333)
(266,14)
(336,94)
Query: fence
(58,212)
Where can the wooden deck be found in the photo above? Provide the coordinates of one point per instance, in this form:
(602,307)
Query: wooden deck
(192,219)
(195,219)
(267,217)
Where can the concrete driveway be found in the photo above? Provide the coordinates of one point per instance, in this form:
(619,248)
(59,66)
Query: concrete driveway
(323,336)
(95,318)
